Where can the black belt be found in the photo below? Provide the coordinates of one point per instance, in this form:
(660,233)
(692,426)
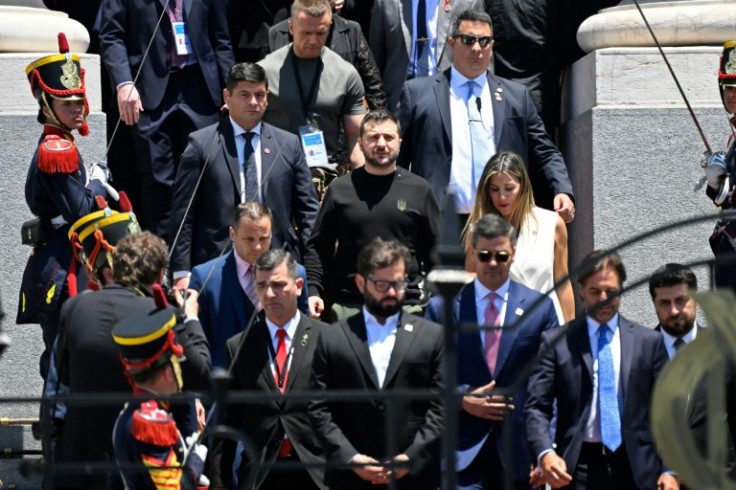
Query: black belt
(175,69)
(598,449)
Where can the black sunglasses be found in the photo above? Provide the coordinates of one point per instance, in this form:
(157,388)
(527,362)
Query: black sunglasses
(470,40)
(383,286)
(501,256)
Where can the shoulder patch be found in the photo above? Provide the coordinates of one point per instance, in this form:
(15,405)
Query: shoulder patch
(57,155)
(154,425)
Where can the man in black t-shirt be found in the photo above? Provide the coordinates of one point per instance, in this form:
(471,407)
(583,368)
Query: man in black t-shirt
(376,200)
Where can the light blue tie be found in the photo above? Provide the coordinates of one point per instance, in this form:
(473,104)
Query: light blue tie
(607,399)
(478,135)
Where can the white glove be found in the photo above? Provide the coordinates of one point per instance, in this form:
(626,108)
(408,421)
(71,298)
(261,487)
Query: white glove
(715,169)
(100,172)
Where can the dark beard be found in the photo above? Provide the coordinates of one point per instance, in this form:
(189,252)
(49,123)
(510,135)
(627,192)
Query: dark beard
(382,308)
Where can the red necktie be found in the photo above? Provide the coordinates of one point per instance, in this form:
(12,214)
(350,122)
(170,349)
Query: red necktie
(492,336)
(285,449)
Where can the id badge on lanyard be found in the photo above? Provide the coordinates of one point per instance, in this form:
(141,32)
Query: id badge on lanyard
(181,38)
(313,142)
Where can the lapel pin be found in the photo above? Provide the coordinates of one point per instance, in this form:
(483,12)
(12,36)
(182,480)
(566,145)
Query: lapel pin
(266,151)
(304,340)
(446,5)
(409,327)
(499,90)
(498,97)
(519,312)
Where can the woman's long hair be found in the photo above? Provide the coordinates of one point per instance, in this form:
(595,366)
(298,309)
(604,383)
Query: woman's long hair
(509,163)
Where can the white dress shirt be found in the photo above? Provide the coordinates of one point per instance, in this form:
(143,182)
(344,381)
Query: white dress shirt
(461,169)
(240,146)
(381,340)
(669,340)
(481,303)
(432,10)
(593,426)
(290,332)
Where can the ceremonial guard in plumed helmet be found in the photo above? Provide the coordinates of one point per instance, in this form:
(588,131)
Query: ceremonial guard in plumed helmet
(58,191)
(146,433)
(720,173)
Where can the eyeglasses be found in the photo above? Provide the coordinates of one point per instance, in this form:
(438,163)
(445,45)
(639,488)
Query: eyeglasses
(501,256)
(383,286)
(471,40)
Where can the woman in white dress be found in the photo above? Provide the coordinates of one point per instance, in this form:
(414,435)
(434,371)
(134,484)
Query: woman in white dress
(541,250)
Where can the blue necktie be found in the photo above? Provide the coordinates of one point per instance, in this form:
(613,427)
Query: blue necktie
(422,43)
(607,399)
(478,135)
(250,171)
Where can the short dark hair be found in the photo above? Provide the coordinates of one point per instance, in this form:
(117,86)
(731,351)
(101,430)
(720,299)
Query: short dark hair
(252,210)
(314,8)
(245,72)
(599,260)
(380,115)
(493,226)
(139,259)
(472,16)
(274,258)
(672,275)
(379,253)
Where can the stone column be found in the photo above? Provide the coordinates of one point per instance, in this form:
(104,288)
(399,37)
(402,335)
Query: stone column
(631,146)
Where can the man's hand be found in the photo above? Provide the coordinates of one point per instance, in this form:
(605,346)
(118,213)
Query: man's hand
(129,104)
(371,473)
(181,284)
(490,407)
(536,477)
(316,307)
(201,415)
(384,477)
(668,481)
(564,207)
(554,470)
(190,305)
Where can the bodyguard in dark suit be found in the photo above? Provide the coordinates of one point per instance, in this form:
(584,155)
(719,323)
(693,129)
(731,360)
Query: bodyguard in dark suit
(378,350)
(601,369)
(494,358)
(274,356)
(175,92)
(435,112)
(240,159)
(226,284)
(669,287)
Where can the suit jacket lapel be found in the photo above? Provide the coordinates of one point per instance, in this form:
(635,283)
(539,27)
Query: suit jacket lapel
(231,287)
(626,334)
(187,10)
(442,94)
(260,340)
(514,310)
(230,152)
(405,336)
(499,107)
(581,341)
(268,156)
(299,348)
(357,336)
(407,23)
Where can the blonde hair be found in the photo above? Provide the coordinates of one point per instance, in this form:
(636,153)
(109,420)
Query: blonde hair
(511,164)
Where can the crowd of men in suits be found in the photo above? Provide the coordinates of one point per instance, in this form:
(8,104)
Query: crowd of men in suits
(264,181)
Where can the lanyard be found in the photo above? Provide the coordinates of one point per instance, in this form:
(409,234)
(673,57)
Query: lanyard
(279,376)
(306,101)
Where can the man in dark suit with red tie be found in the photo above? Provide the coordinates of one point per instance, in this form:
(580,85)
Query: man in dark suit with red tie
(601,374)
(494,358)
(380,349)
(273,356)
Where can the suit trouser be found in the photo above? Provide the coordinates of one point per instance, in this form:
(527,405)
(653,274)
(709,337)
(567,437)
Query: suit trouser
(598,471)
(486,472)
(160,138)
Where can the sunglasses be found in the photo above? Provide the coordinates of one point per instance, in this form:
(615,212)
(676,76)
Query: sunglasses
(470,40)
(501,256)
(383,286)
